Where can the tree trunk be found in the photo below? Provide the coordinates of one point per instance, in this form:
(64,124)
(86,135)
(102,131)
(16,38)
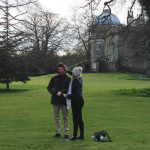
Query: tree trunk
(7,85)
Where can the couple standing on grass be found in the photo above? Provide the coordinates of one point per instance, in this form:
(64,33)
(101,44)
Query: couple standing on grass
(65,91)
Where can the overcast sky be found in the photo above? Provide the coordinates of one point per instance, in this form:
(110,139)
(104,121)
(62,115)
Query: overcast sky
(65,8)
(62,7)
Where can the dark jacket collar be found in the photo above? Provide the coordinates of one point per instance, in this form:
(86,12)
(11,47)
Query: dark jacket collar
(61,76)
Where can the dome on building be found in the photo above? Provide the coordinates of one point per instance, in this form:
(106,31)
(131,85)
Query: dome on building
(111,19)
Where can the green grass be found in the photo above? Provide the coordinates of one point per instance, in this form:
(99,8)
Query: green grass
(134,92)
(112,103)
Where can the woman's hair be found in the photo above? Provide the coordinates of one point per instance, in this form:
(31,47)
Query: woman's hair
(76,77)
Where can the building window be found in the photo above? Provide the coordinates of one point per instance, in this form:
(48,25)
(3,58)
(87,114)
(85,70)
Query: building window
(97,48)
(143,43)
(98,45)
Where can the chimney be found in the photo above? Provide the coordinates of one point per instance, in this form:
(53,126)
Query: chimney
(130,16)
(128,13)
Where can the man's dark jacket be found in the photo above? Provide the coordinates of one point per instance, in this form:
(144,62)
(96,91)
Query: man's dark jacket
(56,84)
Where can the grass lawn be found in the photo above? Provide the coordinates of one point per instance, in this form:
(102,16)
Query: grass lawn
(115,102)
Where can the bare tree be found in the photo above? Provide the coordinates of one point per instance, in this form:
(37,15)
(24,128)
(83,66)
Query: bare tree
(82,26)
(45,33)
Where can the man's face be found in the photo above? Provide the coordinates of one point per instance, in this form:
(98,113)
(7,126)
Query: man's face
(61,71)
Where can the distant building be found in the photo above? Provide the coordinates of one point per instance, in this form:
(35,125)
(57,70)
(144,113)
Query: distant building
(115,47)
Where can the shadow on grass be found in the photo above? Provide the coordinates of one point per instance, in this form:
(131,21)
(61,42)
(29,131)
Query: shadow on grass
(133,92)
(12,90)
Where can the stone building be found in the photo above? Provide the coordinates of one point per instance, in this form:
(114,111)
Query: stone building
(115,47)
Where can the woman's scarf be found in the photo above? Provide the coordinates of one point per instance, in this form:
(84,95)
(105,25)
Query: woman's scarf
(68,101)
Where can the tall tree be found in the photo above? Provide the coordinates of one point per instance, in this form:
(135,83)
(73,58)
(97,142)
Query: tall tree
(12,68)
(45,35)
(146,5)
(82,28)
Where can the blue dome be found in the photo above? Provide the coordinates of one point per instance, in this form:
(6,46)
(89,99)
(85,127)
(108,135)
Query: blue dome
(111,19)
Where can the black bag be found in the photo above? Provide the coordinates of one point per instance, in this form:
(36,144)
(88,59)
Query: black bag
(102,136)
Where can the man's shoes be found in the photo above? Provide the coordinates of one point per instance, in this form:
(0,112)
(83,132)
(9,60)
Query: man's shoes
(66,136)
(80,137)
(56,135)
(72,139)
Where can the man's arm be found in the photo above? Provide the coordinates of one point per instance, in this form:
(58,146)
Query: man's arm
(50,87)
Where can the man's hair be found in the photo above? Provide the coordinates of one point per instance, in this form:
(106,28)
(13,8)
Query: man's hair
(60,65)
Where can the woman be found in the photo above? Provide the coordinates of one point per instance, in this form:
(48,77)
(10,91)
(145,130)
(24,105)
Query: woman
(77,102)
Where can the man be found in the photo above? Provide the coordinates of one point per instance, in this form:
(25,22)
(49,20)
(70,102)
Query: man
(58,85)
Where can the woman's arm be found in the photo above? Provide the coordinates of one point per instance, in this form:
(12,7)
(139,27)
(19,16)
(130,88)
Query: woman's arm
(67,70)
(76,90)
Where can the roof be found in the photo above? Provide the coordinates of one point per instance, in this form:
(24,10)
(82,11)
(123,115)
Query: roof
(107,18)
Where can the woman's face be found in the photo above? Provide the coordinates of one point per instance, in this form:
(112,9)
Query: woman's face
(73,77)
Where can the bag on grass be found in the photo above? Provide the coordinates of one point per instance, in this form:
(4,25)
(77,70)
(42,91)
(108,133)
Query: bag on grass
(101,136)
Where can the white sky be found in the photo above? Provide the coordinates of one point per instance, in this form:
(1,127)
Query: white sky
(62,7)
(65,8)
